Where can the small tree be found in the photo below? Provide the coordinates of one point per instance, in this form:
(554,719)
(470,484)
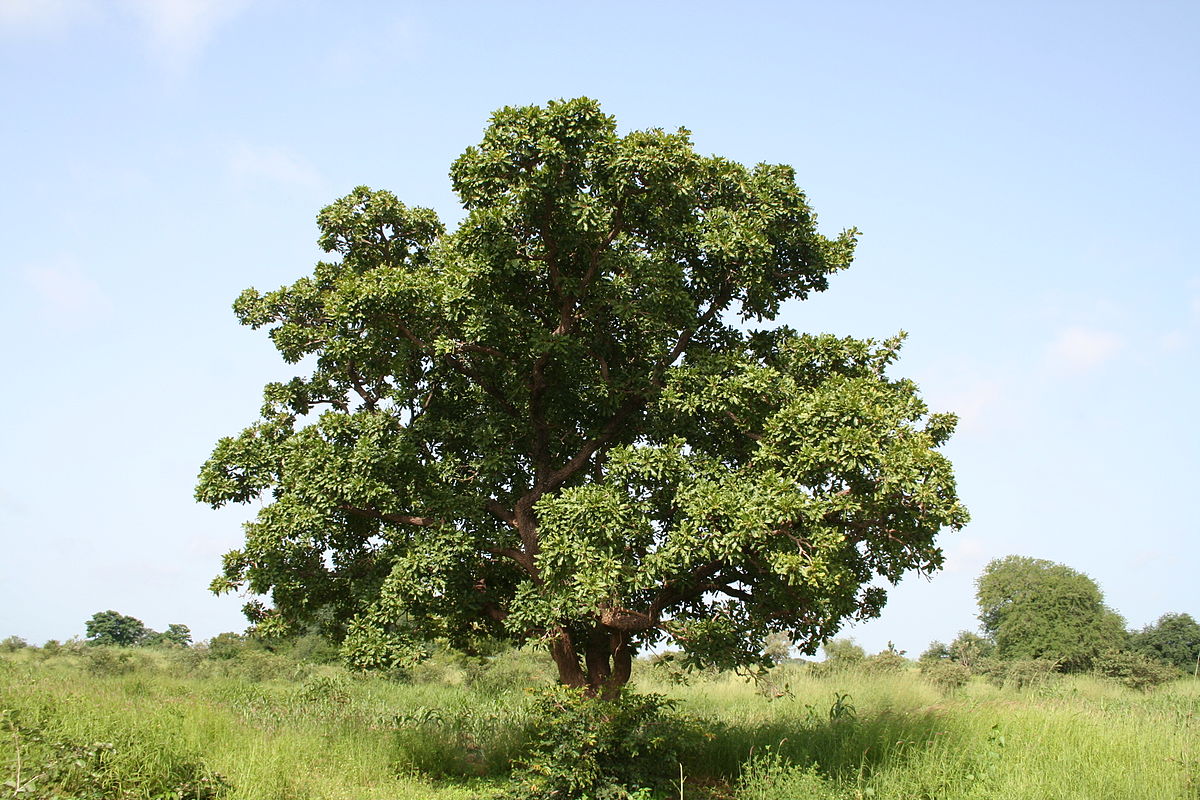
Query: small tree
(112,628)
(559,422)
(1036,609)
(175,635)
(1174,639)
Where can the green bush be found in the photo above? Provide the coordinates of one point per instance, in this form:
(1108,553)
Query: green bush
(585,747)
(769,776)
(1134,670)
(946,675)
(12,644)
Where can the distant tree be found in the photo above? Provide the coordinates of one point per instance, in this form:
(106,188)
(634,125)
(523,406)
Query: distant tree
(843,652)
(937,651)
(111,628)
(227,645)
(1174,639)
(175,635)
(12,644)
(1036,609)
(777,647)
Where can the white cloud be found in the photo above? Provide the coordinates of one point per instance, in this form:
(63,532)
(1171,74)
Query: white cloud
(1079,349)
(27,16)
(66,293)
(257,163)
(178,30)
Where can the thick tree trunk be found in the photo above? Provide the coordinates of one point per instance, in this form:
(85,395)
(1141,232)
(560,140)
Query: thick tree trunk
(600,666)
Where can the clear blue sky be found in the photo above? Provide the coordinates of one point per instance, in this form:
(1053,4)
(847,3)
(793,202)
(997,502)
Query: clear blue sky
(1025,176)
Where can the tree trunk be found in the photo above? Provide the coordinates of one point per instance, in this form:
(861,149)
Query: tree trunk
(607,661)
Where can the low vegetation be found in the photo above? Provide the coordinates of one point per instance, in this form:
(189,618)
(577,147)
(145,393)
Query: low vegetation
(235,720)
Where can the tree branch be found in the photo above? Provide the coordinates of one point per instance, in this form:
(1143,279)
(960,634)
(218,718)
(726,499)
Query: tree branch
(399,519)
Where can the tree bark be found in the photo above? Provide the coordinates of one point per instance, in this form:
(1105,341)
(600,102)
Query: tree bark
(601,665)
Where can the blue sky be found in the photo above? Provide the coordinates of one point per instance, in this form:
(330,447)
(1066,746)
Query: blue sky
(1025,176)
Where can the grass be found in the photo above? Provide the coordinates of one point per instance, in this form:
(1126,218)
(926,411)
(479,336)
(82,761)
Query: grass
(278,729)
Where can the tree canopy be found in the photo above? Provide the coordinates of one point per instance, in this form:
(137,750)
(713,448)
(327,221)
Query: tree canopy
(566,422)
(1173,639)
(113,628)
(1034,608)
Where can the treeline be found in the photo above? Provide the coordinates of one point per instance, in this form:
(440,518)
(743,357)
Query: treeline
(1039,617)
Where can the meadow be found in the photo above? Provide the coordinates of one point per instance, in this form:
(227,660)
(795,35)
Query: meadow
(92,723)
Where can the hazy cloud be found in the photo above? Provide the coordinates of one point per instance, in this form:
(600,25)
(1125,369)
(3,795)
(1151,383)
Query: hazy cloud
(177,30)
(976,404)
(67,294)
(40,16)
(1079,349)
(278,165)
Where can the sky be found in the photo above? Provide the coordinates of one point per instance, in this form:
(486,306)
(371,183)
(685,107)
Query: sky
(1024,174)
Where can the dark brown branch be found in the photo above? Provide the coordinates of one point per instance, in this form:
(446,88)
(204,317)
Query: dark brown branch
(500,512)
(399,519)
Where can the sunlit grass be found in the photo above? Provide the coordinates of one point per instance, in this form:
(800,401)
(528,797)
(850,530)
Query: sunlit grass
(301,731)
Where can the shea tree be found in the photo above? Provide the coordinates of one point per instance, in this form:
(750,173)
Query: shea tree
(570,421)
(1033,608)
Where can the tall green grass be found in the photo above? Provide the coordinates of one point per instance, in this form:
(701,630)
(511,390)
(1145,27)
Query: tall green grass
(274,729)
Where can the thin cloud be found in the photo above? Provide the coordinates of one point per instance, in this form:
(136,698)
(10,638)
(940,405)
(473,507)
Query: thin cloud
(40,16)
(277,165)
(1079,349)
(178,30)
(977,404)
(66,294)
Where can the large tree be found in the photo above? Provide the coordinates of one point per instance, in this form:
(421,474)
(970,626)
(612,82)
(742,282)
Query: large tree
(1034,608)
(565,422)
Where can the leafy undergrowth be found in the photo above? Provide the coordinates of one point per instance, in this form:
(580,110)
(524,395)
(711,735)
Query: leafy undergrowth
(163,725)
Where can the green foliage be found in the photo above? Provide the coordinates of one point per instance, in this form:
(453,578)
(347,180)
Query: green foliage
(1023,673)
(889,660)
(770,776)
(1174,639)
(111,628)
(840,655)
(1133,669)
(12,644)
(50,765)
(971,649)
(947,675)
(586,748)
(1036,609)
(546,425)
(175,635)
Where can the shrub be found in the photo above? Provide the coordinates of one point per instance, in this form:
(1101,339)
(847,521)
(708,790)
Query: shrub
(12,644)
(885,662)
(771,777)
(946,675)
(1023,673)
(585,747)
(1134,670)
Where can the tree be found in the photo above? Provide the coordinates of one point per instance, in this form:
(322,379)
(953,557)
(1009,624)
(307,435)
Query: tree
(175,635)
(1174,639)
(1034,608)
(111,628)
(554,423)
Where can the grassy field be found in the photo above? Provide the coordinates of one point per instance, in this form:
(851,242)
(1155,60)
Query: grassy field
(157,724)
